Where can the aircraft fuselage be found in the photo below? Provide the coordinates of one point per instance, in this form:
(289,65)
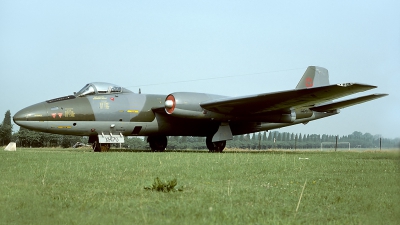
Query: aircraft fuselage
(107,113)
(129,114)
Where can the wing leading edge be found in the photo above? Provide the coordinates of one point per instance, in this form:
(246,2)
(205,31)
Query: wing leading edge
(287,100)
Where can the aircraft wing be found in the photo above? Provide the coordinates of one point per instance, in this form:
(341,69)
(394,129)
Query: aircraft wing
(283,100)
(346,103)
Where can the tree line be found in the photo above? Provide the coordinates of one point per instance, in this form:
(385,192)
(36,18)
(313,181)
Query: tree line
(261,140)
(285,140)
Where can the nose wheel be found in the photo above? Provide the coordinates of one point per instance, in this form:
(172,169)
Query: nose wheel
(217,146)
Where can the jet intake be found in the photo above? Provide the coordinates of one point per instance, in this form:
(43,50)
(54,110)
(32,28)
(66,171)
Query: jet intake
(187,105)
(170,104)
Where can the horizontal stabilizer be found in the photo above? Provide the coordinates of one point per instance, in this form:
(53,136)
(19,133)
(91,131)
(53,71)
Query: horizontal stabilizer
(346,103)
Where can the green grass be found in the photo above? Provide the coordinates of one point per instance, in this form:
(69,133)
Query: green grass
(55,186)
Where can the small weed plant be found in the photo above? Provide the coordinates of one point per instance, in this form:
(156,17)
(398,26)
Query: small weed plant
(163,186)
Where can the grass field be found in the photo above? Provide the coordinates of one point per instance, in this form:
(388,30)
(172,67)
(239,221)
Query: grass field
(56,186)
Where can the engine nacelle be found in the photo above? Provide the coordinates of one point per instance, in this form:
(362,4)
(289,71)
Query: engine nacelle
(289,116)
(187,105)
(304,113)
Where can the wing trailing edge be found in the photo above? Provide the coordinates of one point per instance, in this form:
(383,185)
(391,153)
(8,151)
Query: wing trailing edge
(346,103)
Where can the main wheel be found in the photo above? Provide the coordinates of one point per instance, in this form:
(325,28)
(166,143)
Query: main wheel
(157,143)
(217,146)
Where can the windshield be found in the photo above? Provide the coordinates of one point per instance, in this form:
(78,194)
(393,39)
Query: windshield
(100,88)
(87,90)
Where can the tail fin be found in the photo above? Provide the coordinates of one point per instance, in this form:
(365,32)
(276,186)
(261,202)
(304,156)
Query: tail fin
(314,77)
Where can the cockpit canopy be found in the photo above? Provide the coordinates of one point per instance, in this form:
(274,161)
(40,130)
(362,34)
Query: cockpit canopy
(101,88)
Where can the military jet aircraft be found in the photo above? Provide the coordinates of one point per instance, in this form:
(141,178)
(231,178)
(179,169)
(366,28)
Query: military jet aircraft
(107,112)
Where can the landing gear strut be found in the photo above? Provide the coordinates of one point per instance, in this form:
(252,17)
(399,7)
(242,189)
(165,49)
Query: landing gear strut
(157,143)
(215,146)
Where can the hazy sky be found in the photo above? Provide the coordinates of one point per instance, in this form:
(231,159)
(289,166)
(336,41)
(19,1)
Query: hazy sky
(50,49)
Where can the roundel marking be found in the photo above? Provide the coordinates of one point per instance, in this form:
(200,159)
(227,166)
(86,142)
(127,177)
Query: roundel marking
(309,82)
(170,104)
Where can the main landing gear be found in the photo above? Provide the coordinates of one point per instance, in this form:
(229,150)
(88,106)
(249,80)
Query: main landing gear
(215,146)
(157,143)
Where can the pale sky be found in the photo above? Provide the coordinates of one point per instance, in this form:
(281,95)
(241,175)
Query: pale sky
(50,49)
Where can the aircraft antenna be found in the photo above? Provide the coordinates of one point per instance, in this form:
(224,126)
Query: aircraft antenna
(214,78)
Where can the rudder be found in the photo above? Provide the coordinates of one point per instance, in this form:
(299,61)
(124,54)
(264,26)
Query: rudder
(314,77)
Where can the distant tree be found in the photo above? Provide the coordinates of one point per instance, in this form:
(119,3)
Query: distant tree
(14,137)
(241,138)
(279,137)
(184,139)
(357,135)
(135,143)
(368,136)
(324,137)
(6,129)
(332,138)
(284,137)
(67,141)
(264,136)
(28,138)
(254,138)
(271,136)
(182,143)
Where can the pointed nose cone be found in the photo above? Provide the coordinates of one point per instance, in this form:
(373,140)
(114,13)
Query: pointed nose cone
(32,117)
(21,115)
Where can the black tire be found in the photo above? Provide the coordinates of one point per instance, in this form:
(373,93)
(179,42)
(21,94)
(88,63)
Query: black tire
(157,143)
(215,146)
